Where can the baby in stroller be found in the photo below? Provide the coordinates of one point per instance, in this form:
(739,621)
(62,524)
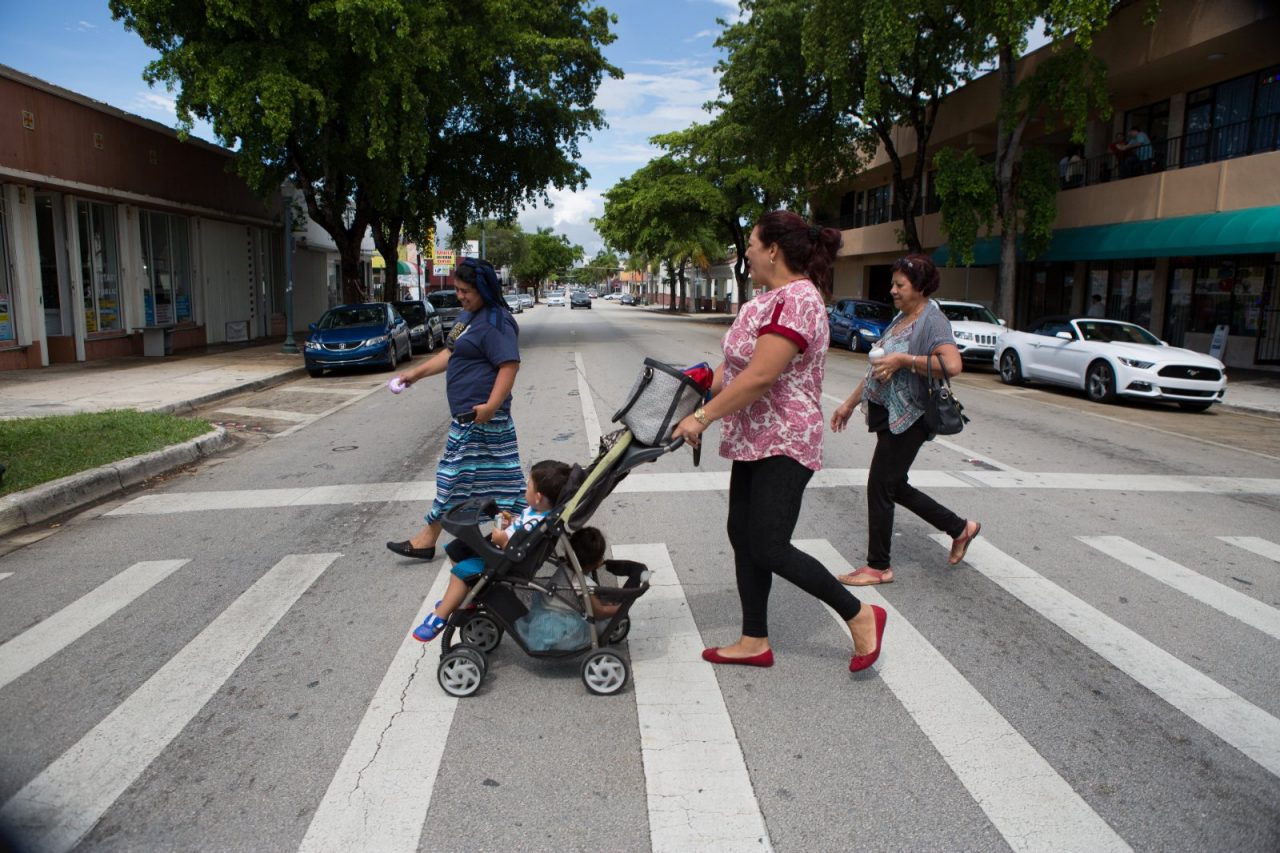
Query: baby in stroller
(541,570)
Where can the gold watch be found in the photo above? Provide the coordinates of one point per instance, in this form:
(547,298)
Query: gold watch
(700,415)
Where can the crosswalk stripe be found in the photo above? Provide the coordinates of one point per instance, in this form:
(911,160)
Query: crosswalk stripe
(4,575)
(42,641)
(1229,716)
(1220,597)
(589,416)
(56,809)
(1042,811)
(699,791)
(697,481)
(1258,546)
(378,798)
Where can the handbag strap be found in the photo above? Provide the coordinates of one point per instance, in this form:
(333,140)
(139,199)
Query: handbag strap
(928,370)
(645,378)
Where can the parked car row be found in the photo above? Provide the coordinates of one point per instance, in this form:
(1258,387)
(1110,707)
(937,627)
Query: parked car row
(1107,359)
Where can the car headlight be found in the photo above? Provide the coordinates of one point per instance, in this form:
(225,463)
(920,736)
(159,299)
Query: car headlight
(867,333)
(312,345)
(964,336)
(380,339)
(1133,362)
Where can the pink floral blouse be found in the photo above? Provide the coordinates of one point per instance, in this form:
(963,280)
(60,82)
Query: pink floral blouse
(787,420)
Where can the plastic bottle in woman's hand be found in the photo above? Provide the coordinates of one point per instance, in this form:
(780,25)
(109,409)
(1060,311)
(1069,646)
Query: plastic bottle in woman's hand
(396,385)
(875,355)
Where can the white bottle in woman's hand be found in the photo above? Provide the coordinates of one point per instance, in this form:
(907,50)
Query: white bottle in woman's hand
(396,385)
(875,355)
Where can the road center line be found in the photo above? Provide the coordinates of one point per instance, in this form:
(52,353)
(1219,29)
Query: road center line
(699,791)
(1220,597)
(1237,721)
(58,808)
(379,797)
(1042,811)
(1258,546)
(42,641)
(589,416)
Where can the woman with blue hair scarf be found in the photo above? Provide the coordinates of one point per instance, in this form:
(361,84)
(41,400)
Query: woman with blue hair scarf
(480,361)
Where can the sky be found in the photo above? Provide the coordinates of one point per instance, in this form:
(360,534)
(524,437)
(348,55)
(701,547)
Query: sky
(664,47)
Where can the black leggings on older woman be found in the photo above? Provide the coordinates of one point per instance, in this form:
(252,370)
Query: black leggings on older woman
(764,505)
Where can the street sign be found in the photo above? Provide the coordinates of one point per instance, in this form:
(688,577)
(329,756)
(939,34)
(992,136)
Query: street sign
(442,270)
(473,249)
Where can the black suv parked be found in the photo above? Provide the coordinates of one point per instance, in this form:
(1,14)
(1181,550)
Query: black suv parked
(426,331)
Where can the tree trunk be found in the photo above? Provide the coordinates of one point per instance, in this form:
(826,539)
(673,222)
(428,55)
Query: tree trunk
(684,285)
(1008,139)
(386,236)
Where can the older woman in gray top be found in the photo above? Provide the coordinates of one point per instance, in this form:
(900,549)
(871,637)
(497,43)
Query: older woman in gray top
(894,390)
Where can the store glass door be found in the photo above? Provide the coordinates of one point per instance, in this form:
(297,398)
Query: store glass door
(51,237)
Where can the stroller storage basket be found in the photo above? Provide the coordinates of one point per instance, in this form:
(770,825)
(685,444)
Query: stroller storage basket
(661,398)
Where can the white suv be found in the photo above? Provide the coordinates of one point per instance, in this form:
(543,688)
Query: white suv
(975,328)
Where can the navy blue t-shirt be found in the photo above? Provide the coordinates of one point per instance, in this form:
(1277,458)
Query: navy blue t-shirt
(477,351)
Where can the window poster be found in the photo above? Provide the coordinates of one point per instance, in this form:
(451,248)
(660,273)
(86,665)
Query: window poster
(6,319)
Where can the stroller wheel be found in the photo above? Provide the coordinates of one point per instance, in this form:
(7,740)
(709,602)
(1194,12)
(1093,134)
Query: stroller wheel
(620,631)
(461,671)
(604,671)
(482,632)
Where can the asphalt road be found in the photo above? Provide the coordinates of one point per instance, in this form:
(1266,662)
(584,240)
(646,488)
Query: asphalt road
(221,661)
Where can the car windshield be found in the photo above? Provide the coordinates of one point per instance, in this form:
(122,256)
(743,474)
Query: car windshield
(355,315)
(969,313)
(868,311)
(413,312)
(1118,333)
(444,299)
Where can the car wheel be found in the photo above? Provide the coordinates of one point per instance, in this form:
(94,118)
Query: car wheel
(1196,407)
(1100,382)
(408,352)
(315,372)
(852,345)
(392,361)
(1011,368)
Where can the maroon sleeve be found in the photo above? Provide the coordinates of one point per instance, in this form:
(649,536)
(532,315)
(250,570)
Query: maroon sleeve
(775,327)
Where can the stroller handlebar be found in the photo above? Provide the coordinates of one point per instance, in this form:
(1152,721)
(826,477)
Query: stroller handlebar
(678,443)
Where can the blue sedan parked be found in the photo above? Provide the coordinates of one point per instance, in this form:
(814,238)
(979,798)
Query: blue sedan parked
(858,323)
(356,335)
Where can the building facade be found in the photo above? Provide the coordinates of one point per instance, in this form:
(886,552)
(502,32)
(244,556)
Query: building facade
(1181,236)
(111,224)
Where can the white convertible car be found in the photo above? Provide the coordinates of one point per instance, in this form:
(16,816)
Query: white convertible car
(1108,358)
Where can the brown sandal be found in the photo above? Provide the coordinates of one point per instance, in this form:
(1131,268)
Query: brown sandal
(866,576)
(960,545)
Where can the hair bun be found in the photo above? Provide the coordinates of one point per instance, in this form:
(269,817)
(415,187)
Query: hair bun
(814,232)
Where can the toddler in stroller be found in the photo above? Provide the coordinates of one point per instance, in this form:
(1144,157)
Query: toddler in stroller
(539,569)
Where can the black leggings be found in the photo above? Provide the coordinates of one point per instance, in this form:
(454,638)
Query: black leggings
(764,504)
(887,484)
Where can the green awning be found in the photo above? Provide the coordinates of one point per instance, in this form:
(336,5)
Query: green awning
(1255,230)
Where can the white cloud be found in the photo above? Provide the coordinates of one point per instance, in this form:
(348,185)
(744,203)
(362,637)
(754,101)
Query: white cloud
(154,102)
(570,214)
(732,12)
(702,34)
(85,25)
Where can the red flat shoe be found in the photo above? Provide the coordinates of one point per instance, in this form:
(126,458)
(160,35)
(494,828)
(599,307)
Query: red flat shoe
(857,663)
(960,545)
(765,658)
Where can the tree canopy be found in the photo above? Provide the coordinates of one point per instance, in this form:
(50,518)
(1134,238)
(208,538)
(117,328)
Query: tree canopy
(388,112)
(548,256)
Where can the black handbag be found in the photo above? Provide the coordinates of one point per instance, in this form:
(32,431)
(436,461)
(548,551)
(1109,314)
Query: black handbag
(943,413)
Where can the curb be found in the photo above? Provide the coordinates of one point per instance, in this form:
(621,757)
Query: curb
(40,503)
(188,406)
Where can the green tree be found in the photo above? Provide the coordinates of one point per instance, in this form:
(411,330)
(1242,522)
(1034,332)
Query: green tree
(888,64)
(387,113)
(549,256)
(1068,87)
(505,243)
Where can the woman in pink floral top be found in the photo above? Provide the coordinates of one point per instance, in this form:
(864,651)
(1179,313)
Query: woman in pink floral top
(768,391)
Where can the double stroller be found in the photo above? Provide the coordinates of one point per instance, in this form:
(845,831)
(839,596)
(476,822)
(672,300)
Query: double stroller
(535,590)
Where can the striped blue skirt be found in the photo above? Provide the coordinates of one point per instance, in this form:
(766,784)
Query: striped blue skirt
(480,461)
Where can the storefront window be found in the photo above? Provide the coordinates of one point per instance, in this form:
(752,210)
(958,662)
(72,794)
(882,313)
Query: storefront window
(8,333)
(1229,291)
(99,266)
(166,263)
(1178,304)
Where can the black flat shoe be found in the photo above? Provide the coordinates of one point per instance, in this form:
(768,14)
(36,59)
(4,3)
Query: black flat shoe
(404,549)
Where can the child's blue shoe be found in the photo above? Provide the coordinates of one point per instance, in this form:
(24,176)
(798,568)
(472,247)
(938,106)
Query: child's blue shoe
(431,628)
